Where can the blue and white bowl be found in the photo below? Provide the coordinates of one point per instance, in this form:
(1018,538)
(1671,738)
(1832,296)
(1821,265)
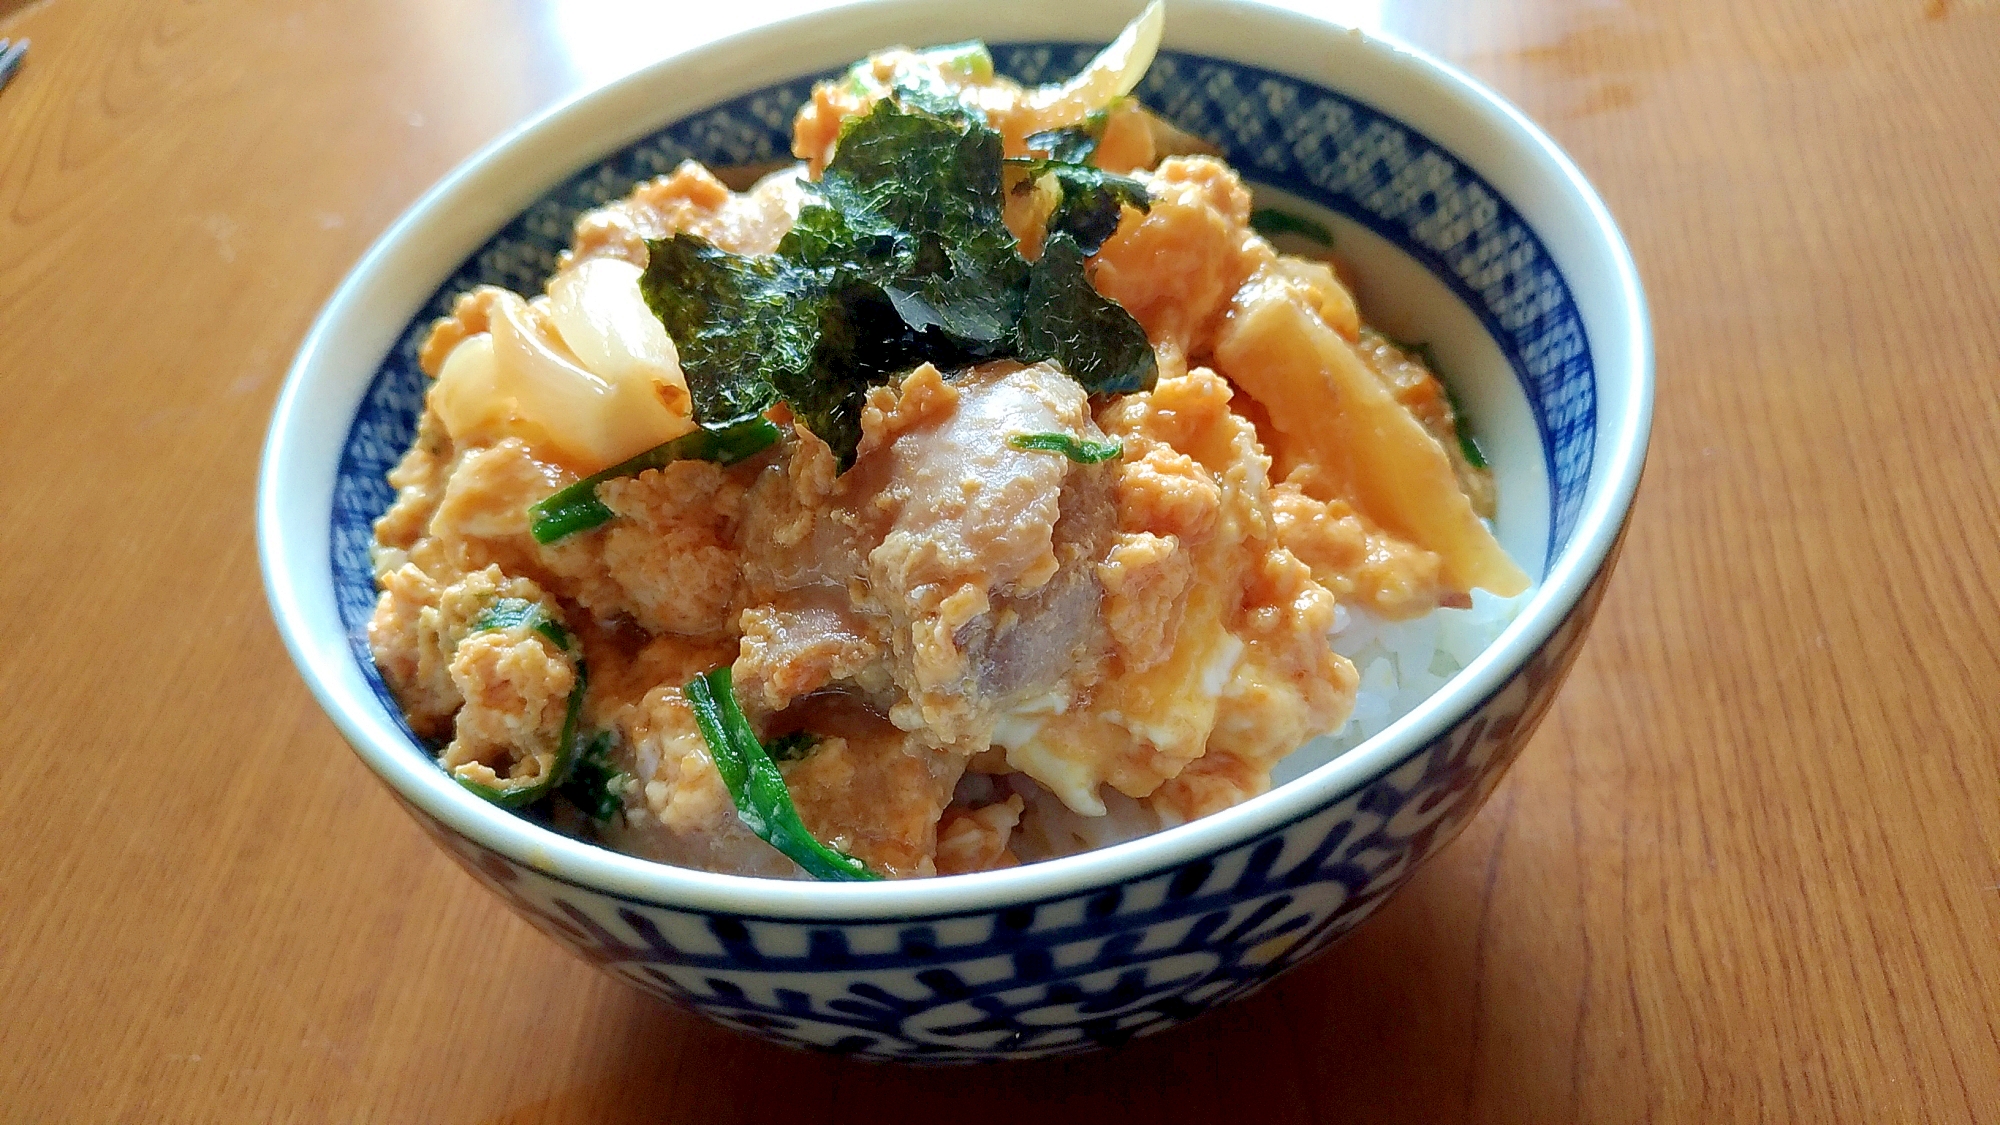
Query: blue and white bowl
(1465,225)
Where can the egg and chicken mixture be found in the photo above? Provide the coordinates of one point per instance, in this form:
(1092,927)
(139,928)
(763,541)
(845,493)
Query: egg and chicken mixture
(928,623)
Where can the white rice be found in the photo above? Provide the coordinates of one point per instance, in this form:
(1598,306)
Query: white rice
(1050,828)
(1401,664)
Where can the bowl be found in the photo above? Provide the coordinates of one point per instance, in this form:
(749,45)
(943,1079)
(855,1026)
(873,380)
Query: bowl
(1463,223)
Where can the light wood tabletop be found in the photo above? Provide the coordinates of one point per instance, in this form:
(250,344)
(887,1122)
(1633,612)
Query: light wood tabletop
(1749,869)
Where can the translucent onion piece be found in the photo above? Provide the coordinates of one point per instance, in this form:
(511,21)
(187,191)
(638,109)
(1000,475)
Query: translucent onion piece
(591,422)
(1115,72)
(601,316)
(467,394)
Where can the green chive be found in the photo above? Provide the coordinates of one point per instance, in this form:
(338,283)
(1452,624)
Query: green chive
(1466,445)
(763,803)
(1271,222)
(594,782)
(507,613)
(791,747)
(577,507)
(1080,451)
(1421,352)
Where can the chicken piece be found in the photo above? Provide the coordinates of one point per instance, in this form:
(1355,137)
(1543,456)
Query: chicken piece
(946,567)
(805,551)
(985,574)
(1191,478)
(1134,731)
(804,645)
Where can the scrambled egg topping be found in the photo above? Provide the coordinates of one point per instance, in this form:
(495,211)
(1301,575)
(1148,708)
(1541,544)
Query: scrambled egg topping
(956,620)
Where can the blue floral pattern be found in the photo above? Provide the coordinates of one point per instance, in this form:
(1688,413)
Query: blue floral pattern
(1067,974)
(1101,967)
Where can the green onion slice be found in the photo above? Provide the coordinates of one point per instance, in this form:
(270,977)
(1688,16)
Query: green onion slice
(1466,444)
(1078,450)
(1271,222)
(577,507)
(507,613)
(763,803)
(1421,351)
(593,784)
(791,747)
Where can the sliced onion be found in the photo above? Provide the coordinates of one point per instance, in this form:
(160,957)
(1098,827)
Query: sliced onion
(1115,72)
(467,394)
(603,318)
(591,422)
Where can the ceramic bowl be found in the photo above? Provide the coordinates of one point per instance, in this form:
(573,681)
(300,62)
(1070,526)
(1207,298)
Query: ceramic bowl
(1464,224)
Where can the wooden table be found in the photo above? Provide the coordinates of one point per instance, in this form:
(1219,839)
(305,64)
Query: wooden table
(1750,868)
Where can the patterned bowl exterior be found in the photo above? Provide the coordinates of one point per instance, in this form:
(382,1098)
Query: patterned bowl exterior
(1071,973)
(1061,975)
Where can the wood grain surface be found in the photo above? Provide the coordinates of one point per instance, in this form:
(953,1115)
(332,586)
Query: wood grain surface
(1748,870)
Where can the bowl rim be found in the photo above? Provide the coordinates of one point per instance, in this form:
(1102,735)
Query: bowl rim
(293,571)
